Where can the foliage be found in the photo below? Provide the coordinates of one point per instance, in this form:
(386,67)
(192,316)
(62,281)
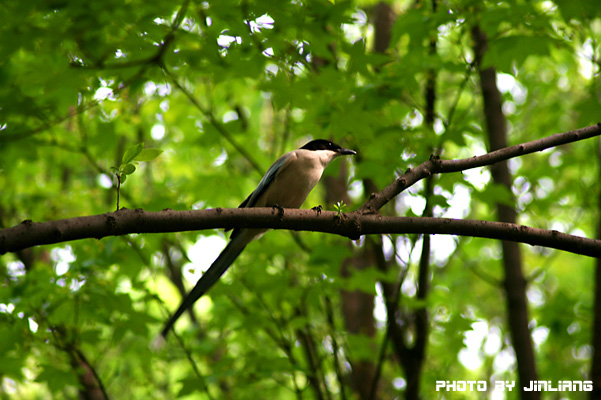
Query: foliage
(130,158)
(222,88)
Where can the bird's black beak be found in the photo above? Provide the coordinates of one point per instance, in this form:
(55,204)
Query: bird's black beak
(347,152)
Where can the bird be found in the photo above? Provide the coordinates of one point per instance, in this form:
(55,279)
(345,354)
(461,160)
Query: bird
(286,184)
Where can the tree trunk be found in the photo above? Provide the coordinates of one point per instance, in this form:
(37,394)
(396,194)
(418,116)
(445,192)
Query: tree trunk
(514,283)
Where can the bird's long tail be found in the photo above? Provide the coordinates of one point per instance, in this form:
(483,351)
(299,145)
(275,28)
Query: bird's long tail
(219,266)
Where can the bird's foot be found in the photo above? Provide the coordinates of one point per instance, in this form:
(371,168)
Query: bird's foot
(280,210)
(318,209)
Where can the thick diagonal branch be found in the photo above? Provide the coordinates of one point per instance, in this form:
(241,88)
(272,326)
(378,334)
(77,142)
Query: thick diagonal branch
(438,166)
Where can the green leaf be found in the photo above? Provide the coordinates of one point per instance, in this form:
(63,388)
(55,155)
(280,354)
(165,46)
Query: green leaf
(503,52)
(189,386)
(494,194)
(148,154)
(577,9)
(128,169)
(11,366)
(361,347)
(132,153)
(365,279)
(56,378)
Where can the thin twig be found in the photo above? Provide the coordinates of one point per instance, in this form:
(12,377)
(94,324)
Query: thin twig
(381,358)
(335,347)
(188,354)
(279,339)
(208,114)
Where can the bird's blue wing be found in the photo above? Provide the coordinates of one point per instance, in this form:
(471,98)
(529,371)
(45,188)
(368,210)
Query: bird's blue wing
(270,175)
(267,179)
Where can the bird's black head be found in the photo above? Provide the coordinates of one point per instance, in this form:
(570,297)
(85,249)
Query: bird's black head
(322,144)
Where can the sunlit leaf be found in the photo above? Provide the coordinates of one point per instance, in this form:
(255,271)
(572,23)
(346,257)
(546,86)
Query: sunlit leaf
(148,155)
(128,169)
(132,153)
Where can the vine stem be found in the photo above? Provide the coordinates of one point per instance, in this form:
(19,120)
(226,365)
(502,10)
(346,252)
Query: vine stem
(118,189)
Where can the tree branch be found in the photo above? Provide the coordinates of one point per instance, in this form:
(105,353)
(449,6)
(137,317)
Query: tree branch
(351,225)
(438,166)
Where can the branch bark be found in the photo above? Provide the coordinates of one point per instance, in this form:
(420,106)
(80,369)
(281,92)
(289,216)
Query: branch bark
(351,225)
